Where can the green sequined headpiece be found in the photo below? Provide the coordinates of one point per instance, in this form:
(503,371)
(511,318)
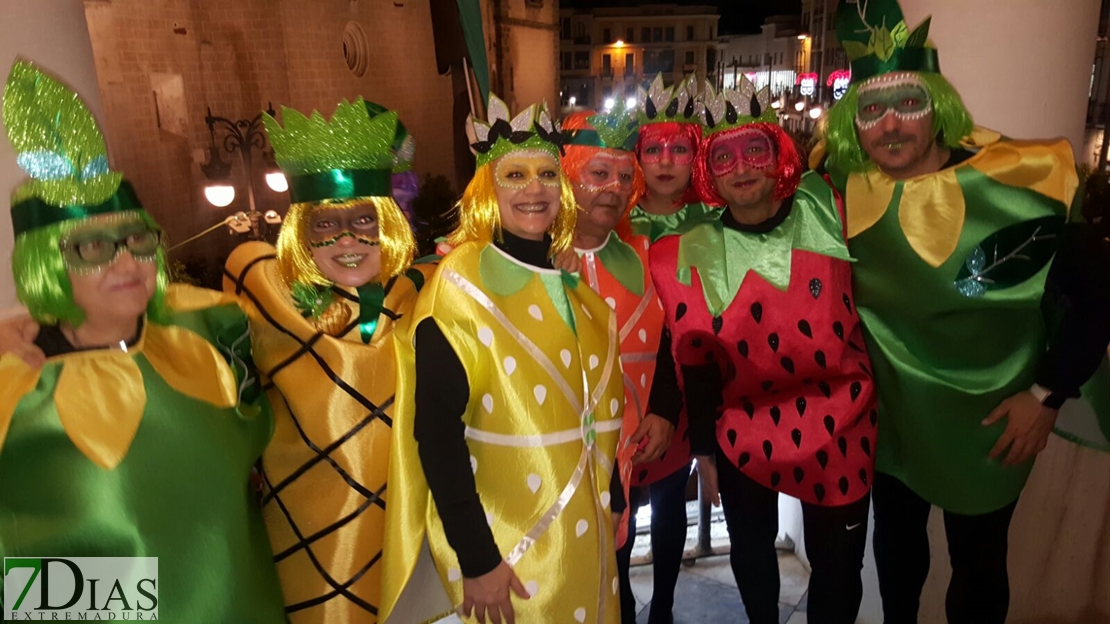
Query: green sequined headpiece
(618,129)
(61,148)
(532,128)
(732,108)
(404,147)
(349,156)
(874,35)
(678,103)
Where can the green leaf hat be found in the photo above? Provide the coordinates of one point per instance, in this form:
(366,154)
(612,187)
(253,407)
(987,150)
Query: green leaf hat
(60,147)
(874,35)
(348,156)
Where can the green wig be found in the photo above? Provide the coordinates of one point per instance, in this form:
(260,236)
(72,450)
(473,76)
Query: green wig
(951,123)
(42,282)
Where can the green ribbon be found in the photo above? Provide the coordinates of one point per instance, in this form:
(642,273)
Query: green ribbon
(34,213)
(590,138)
(371,301)
(341,184)
(903,59)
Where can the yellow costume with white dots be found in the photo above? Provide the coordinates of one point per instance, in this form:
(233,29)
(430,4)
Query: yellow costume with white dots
(542,423)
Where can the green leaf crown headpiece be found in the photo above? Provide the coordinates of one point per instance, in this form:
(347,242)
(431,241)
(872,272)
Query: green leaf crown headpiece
(532,128)
(618,129)
(348,156)
(732,108)
(874,35)
(677,103)
(59,145)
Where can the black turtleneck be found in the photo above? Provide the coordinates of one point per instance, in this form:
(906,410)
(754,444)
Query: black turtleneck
(442,392)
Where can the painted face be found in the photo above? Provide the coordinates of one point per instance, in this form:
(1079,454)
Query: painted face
(894,121)
(905,98)
(528,191)
(741,162)
(345,243)
(603,191)
(749,146)
(111,263)
(667,159)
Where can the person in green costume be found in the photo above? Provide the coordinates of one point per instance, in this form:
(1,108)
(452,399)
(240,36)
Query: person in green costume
(955,230)
(138,435)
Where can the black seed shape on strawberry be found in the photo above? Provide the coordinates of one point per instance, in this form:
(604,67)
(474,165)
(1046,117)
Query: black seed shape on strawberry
(856,388)
(649,109)
(830,424)
(680,312)
(749,408)
(773,341)
(865,444)
(847,303)
(766,385)
(731,437)
(688,112)
(823,386)
(819,357)
(754,108)
(775,479)
(696,343)
(815,287)
(768,448)
(643,474)
(672,108)
(838,329)
(787,364)
(863,367)
(718,323)
(799,475)
(743,461)
(803,326)
(796,436)
(757,311)
(874,418)
(776,415)
(855,347)
(842,444)
(819,492)
(742,347)
(800,403)
(863,476)
(822,459)
(731,115)
(844,485)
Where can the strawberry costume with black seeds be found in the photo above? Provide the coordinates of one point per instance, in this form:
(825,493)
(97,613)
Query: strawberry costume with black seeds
(768,349)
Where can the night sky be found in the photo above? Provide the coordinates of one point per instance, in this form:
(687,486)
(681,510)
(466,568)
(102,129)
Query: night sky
(737,16)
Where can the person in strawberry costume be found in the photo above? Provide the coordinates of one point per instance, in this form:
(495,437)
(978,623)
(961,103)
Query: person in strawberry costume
(760,308)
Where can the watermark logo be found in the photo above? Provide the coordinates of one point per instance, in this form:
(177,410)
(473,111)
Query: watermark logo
(80,589)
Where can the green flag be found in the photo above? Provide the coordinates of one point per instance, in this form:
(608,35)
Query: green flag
(470,16)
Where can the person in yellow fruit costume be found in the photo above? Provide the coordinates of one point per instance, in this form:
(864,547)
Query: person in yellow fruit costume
(322,311)
(509,402)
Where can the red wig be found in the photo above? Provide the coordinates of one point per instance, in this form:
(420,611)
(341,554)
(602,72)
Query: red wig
(577,156)
(668,131)
(788,164)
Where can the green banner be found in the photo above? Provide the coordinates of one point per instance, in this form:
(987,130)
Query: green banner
(470,16)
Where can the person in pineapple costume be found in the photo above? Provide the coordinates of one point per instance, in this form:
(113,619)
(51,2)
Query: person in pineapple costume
(510,401)
(137,436)
(670,131)
(954,229)
(777,382)
(607,181)
(323,309)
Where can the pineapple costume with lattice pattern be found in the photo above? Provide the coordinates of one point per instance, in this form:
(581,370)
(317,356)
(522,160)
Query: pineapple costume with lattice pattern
(326,353)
